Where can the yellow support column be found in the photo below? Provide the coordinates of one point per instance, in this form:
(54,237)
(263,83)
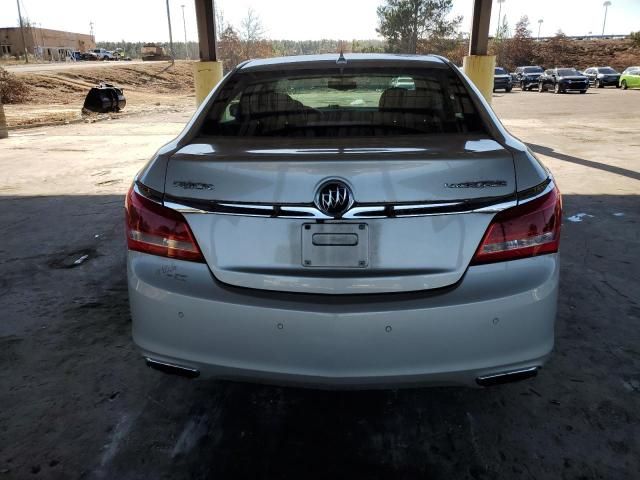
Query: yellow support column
(206,76)
(480,69)
(4,132)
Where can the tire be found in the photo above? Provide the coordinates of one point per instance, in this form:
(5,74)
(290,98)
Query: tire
(624,84)
(522,86)
(556,88)
(598,84)
(618,85)
(583,91)
(508,89)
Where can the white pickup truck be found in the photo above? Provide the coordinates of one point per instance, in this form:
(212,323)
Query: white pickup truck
(103,54)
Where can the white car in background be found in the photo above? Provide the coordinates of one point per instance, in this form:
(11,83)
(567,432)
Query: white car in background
(403,82)
(103,54)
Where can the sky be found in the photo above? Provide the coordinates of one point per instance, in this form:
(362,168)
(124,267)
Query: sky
(145,20)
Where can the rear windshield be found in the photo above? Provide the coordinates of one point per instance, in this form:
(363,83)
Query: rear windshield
(532,69)
(343,103)
(606,70)
(500,71)
(567,71)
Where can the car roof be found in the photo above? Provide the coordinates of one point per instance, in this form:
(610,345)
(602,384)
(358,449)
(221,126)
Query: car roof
(353,59)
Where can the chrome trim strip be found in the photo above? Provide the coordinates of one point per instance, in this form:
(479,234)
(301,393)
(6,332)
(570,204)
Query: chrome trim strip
(171,367)
(361,211)
(357,212)
(498,207)
(303,212)
(239,205)
(505,377)
(487,209)
(426,206)
(184,208)
(366,212)
(509,373)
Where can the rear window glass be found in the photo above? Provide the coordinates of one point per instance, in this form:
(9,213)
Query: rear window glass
(343,102)
(500,71)
(606,70)
(532,69)
(567,71)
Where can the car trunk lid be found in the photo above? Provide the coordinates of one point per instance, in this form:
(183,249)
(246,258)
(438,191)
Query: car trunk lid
(343,255)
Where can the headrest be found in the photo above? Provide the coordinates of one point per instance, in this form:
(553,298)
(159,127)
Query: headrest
(392,98)
(396,98)
(267,102)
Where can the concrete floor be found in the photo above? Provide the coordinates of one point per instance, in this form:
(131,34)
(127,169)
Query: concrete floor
(76,401)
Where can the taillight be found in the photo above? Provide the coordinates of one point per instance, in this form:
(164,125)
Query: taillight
(158,230)
(524,231)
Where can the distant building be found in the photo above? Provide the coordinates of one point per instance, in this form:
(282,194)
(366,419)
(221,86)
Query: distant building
(43,43)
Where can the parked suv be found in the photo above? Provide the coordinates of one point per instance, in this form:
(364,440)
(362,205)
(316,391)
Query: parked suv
(501,80)
(309,227)
(527,77)
(601,77)
(562,80)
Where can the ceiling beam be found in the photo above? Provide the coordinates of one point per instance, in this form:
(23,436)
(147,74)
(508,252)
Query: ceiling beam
(479,43)
(206,20)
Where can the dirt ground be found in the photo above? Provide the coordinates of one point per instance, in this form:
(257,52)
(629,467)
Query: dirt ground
(57,91)
(77,401)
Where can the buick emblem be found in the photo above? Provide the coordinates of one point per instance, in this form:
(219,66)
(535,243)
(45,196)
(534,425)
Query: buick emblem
(334,198)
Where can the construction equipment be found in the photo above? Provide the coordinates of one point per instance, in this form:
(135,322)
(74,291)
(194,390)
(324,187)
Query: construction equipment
(153,52)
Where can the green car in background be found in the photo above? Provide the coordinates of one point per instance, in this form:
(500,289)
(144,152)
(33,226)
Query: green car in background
(630,78)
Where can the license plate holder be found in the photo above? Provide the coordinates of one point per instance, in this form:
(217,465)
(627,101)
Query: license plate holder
(335,245)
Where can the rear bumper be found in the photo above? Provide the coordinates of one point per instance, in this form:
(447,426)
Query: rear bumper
(574,85)
(499,83)
(608,82)
(499,318)
(529,82)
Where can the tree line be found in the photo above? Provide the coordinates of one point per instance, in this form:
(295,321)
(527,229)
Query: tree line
(406,26)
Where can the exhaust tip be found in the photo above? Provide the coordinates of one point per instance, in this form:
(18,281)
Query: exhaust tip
(507,377)
(171,368)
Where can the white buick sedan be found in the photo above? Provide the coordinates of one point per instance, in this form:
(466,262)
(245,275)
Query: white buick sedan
(320,223)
